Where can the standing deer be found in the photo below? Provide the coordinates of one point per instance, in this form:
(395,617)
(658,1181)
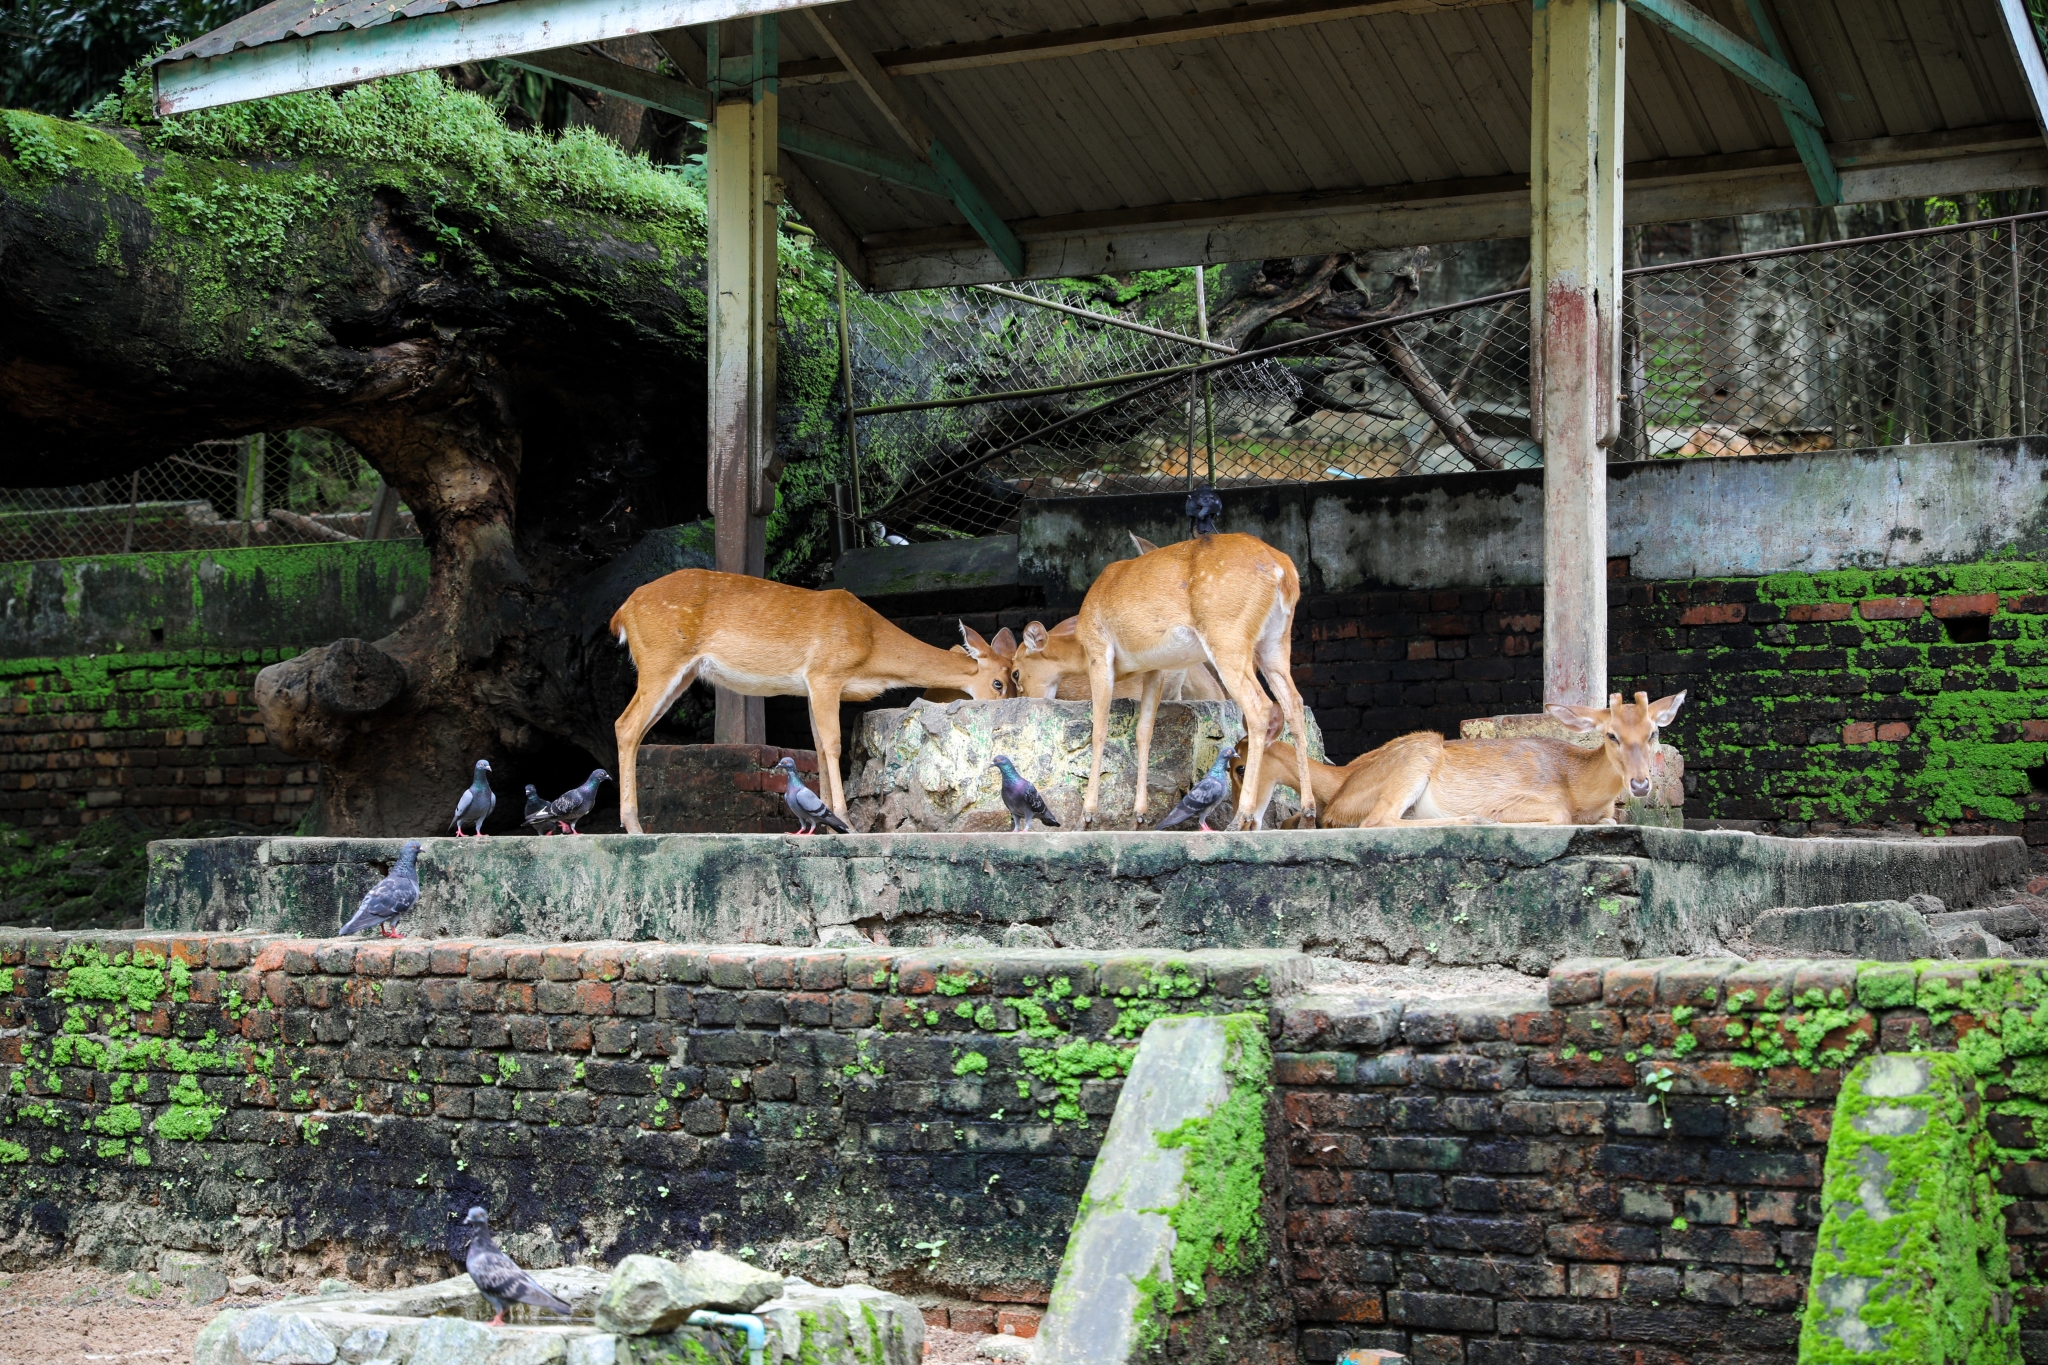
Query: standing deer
(1423,778)
(1223,599)
(1050,664)
(767,639)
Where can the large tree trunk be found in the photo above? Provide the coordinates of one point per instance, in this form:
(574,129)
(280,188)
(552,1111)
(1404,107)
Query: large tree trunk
(535,394)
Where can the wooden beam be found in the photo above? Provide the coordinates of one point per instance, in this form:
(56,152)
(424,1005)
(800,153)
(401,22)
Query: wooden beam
(1198,26)
(911,126)
(476,34)
(1808,139)
(2026,46)
(818,214)
(657,91)
(1159,236)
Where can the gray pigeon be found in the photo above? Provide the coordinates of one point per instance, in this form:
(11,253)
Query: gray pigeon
(499,1277)
(536,817)
(806,805)
(1204,796)
(391,897)
(1020,798)
(1205,505)
(577,803)
(477,803)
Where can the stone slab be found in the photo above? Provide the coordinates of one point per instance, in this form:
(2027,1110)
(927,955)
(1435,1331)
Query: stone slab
(1514,895)
(1883,930)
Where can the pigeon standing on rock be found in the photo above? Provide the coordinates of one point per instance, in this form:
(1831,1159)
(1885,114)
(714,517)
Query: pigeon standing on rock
(1020,798)
(391,897)
(1204,796)
(577,803)
(536,817)
(806,805)
(477,803)
(499,1277)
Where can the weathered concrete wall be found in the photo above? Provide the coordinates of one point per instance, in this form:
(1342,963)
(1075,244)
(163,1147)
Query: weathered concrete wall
(209,599)
(1514,895)
(1891,507)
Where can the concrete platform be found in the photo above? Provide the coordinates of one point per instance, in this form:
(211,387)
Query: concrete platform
(1521,896)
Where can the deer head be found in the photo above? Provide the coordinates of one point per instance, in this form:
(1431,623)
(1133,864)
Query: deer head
(1039,667)
(1628,731)
(994,679)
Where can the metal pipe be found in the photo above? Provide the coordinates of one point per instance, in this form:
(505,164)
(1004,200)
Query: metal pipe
(134,494)
(846,381)
(2019,348)
(1843,244)
(1208,387)
(756,1330)
(1108,319)
(1077,386)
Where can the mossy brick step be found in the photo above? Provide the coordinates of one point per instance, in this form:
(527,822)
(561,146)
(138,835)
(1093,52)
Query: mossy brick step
(1516,895)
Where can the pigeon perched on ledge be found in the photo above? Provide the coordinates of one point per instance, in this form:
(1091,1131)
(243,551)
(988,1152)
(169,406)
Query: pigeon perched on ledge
(1204,796)
(499,1276)
(1020,798)
(536,817)
(577,803)
(391,897)
(806,805)
(477,803)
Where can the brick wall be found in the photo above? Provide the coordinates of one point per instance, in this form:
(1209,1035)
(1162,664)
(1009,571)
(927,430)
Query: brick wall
(821,1109)
(1500,1184)
(1814,701)
(170,737)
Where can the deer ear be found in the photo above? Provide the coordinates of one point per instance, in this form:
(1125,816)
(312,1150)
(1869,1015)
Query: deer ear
(1580,718)
(1004,645)
(1665,709)
(976,647)
(1034,637)
(1145,547)
(1068,626)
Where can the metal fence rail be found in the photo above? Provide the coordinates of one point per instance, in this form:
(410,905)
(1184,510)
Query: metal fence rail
(1933,335)
(296,487)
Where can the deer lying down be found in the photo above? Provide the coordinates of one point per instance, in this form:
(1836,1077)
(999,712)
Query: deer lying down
(1423,778)
(767,639)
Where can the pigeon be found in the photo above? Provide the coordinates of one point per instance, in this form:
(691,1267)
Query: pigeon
(1204,796)
(391,897)
(1020,798)
(806,805)
(499,1277)
(536,818)
(1205,505)
(577,803)
(478,802)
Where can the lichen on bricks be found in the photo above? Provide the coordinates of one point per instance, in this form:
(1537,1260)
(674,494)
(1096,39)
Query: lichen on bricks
(1911,1263)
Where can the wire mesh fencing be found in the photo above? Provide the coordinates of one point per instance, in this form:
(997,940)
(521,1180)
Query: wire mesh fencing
(967,402)
(291,488)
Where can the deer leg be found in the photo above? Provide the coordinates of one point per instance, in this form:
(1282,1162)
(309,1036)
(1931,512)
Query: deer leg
(1148,711)
(1101,685)
(824,699)
(650,703)
(1242,684)
(1274,664)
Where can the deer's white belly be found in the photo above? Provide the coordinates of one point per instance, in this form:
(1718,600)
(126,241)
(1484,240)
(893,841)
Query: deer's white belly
(1180,647)
(719,674)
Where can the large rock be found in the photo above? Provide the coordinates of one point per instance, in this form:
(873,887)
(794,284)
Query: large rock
(926,766)
(857,1323)
(1887,931)
(649,1294)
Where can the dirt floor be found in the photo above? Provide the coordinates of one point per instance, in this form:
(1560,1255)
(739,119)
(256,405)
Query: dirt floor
(72,1317)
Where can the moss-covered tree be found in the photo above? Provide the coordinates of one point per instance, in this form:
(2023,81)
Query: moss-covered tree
(509,326)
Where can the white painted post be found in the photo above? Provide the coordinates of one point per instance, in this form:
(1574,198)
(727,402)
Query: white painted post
(1575,324)
(743,193)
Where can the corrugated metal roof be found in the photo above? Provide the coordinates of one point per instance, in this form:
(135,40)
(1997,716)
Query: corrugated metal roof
(1406,123)
(284,19)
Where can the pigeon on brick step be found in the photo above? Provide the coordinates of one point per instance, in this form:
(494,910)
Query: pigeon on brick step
(477,803)
(536,817)
(1020,798)
(1204,796)
(391,897)
(806,805)
(577,803)
(499,1276)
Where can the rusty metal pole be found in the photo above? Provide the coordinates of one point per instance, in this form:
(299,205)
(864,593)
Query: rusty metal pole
(742,194)
(1575,332)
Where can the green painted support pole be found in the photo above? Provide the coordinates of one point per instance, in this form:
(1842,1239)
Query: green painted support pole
(1761,69)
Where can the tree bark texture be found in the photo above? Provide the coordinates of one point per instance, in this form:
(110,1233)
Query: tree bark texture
(530,379)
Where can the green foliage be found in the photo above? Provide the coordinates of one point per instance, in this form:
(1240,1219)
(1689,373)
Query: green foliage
(190,1116)
(971,1064)
(12,1153)
(95,879)
(1068,1065)
(58,55)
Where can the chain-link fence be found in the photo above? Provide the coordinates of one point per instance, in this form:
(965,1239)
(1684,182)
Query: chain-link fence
(1921,336)
(286,489)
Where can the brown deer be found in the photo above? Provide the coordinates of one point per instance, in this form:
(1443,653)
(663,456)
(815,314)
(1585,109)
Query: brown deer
(1004,647)
(768,639)
(1423,778)
(1050,664)
(1224,599)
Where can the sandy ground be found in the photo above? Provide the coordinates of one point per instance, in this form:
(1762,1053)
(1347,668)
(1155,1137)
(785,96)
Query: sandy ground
(1422,983)
(76,1316)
